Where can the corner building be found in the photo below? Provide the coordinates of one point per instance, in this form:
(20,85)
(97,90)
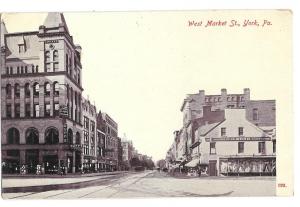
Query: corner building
(41,99)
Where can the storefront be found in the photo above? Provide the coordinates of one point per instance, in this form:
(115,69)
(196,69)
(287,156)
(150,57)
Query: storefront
(247,166)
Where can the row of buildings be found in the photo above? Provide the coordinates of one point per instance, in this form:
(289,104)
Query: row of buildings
(46,123)
(225,134)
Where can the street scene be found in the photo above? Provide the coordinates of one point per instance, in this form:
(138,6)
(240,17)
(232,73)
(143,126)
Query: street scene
(134,185)
(64,136)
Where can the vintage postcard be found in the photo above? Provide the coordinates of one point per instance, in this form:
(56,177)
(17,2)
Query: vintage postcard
(146,104)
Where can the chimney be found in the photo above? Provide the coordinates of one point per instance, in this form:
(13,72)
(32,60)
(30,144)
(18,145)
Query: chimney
(202,92)
(223,98)
(61,27)
(42,29)
(247,94)
(223,91)
(202,96)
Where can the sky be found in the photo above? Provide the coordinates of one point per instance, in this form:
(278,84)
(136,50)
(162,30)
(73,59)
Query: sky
(139,66)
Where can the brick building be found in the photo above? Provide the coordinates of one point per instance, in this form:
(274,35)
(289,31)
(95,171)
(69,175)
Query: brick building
(41,95)
(89,144)
(202,110)
(109,127)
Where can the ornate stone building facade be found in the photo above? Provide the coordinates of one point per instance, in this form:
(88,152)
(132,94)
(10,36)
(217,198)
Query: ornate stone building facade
(41,96)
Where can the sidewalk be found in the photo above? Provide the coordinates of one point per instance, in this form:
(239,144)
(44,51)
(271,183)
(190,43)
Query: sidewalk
(70,175)
(185,176)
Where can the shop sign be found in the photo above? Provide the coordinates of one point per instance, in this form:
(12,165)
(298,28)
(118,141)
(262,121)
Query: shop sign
(63,111)
(76,147)
(65,132)
(238,139)
(51,41)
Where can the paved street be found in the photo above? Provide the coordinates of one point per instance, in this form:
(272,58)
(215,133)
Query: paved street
(130,185)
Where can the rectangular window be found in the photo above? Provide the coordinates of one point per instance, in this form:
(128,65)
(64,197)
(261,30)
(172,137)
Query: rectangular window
(92,138)
(86,136)
(92,126)
(223,131)
(241,131)
(255,114)
(86,123)
(262,147)
(212,148)
(17,110)
(47,109)
(56,109)
(241,147)
(55,67)
(27,110)
(274,146)
(8,110)
(48,68)
(36,110)
(22,48)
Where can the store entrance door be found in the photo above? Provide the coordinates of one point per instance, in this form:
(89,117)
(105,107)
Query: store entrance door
(32,160)
(51,164)
(212,168)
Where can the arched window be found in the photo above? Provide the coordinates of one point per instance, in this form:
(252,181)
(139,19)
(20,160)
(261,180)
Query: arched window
(78,138)
(13,136)
(36,89)
(70,136)
(27,90)
(55,55)
(47,89)
(17,90)
(56,89)
(8,91)
(37,69)
(51,136)
(32,136)
(47,56)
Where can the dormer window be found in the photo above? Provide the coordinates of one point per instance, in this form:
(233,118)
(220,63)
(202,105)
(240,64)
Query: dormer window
(22,48)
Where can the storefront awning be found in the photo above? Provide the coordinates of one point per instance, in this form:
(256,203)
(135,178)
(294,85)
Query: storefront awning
(193,163)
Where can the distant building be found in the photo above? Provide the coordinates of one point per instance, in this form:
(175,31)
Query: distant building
(110,129)
(101,159)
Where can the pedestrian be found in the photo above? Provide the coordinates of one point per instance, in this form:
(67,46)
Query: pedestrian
(61,171)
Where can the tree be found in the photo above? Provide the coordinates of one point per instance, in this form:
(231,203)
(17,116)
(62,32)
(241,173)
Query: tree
(161,163)
(134,162)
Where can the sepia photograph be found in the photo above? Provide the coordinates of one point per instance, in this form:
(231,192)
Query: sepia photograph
(146,104)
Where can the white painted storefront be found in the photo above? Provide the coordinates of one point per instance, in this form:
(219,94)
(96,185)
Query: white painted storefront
(235,146)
